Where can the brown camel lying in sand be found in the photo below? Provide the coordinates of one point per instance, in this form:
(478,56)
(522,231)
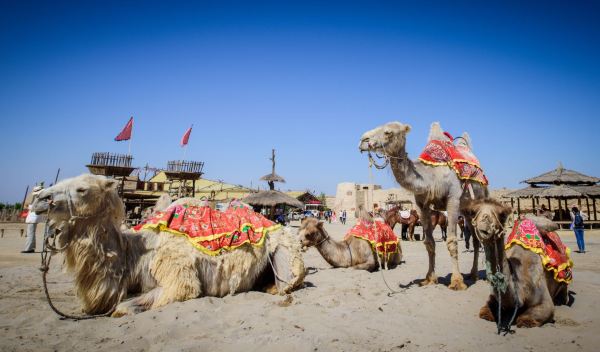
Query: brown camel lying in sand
(528,283)
(85,213)
(349,253)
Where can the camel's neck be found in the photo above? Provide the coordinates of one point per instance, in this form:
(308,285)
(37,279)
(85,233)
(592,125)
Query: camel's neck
(337,254)
(496,260)
(406,174)
(98,257)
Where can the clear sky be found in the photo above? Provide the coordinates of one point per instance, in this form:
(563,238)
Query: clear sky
(306,78)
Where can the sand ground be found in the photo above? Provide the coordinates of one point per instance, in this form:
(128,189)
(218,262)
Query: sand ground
(339,310)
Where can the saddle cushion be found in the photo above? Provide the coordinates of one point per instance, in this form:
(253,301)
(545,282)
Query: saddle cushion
(381,237)
(212,231)
(458,157)
(553,252)
(404,214)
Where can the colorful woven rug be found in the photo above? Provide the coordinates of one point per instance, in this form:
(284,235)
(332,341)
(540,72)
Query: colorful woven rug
(381,237)
(212,231)
(555,255)
(459,158)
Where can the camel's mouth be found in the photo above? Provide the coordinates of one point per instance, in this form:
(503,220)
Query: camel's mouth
(41,206)
(368,145)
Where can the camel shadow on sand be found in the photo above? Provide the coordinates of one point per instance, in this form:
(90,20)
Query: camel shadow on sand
(445,280)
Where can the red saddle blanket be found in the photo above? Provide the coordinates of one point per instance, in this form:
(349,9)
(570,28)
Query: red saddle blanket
(555,255)
(209,230)
(381,237)
(459,158)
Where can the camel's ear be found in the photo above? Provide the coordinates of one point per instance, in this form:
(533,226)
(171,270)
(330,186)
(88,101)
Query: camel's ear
(407,128)
(469,208)
(110,184)
(503,213)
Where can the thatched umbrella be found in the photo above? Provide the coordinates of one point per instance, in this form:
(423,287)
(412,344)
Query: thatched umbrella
(561,191)
(560,175)
(272,177)
(271,199)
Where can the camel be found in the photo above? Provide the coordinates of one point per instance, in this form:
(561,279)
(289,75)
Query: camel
(439,218)
(527,282)
(393,217)
(352,252)
(436,187)
(85,213)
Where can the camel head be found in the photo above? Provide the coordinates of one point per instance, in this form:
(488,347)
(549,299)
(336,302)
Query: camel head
(488,217)
(82,197)
(311,232)
(387,139)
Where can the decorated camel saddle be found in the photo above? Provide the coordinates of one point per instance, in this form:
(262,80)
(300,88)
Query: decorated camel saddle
(457,156)
(212,231)
(382,238)
(553,252)
(405,214)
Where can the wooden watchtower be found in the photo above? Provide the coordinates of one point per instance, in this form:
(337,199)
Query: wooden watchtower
(180,173)
(113,165)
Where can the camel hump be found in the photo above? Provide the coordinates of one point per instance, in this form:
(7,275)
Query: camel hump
(437,133)
(542,223)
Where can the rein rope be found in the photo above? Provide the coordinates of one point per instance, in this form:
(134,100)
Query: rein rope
(50,248)
(498,280)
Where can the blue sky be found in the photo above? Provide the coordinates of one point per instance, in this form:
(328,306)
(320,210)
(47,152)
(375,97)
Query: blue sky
(306,78)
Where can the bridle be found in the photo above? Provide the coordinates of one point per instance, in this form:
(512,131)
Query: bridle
(386,156)
(49,248)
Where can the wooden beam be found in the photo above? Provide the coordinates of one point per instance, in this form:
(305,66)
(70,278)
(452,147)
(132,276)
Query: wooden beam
(587,203)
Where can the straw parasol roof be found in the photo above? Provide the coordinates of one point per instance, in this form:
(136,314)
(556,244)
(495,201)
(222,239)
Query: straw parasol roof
(272,198)
(526,192)
(561,191)
(560,175)
(272,177)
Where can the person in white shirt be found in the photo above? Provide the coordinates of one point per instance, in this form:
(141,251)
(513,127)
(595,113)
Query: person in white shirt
(32,220)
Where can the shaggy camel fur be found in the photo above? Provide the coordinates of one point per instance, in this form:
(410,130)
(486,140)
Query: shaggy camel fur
(85,213)
(434,187)
(537,291)
(392,217)
(353,252)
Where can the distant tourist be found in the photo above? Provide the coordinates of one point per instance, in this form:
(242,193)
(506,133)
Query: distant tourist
(577,226)
(32,220)
(343,217)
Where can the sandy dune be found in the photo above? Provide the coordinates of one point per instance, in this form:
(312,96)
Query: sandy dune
(339,310)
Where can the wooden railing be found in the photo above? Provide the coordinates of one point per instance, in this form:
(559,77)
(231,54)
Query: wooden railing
(109,159)
(185,166)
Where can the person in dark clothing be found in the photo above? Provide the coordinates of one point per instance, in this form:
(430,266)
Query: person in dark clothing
(577,226)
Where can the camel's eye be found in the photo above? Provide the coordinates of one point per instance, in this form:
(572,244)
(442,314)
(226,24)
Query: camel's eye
(387,133)
(81,190)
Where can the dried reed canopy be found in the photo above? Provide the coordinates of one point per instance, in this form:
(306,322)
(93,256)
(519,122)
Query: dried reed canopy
(272,198)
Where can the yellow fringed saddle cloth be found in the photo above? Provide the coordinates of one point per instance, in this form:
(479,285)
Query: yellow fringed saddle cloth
(553,252)
(380,235)
(212,231)
(459,158)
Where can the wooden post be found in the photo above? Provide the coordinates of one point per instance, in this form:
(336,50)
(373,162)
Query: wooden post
(587,203)
(549,205)
(594,207)
(518,206)
(512,202)
(533,204)
(2,233)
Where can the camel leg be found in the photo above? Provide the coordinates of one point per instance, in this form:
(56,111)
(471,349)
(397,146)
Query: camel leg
(411,232)
(429,243)
(487,311)
(456,282)
(476,245)
(537,315)
(365,266)
(138,304)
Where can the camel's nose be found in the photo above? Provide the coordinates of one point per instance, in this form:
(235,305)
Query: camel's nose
(364,144)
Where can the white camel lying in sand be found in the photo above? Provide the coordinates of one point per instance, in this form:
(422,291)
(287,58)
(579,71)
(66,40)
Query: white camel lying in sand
(108,265)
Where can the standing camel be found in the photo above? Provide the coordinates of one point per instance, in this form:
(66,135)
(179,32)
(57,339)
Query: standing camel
(433,186)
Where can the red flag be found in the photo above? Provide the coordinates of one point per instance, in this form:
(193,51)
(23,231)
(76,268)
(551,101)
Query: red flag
(186,137)
(126,132)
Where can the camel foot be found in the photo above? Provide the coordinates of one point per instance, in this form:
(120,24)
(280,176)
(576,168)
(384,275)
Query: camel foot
(457,283)
(429,281)
(272,290)
(486,313)
(527,322)
(474,276)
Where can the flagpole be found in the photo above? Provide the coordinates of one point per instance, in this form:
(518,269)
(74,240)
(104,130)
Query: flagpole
(184,150)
